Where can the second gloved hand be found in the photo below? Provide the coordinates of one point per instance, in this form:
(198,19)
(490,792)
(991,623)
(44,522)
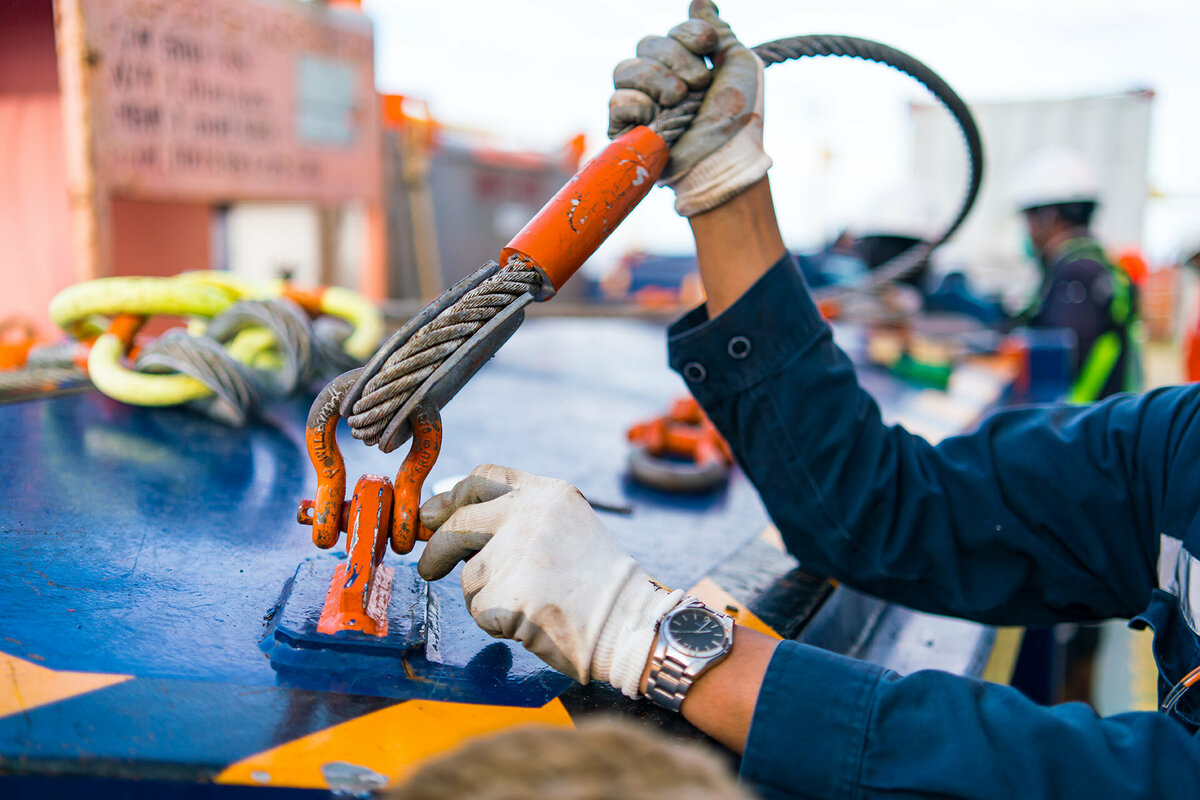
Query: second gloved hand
(542,569)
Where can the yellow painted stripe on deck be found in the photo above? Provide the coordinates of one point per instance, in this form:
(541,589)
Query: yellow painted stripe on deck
(25,685)
(1003,660)
(715,597)
(392,741)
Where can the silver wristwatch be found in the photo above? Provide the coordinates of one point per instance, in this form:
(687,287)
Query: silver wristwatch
(691,638)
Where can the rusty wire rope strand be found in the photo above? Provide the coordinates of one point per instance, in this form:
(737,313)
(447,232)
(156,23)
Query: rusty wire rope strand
(406,369)
(36,379)
(402,374)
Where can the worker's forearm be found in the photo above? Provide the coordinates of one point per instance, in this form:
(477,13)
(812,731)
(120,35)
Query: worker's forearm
(721,701)
(736,243)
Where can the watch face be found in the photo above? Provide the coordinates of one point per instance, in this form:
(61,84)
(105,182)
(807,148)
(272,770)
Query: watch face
(697,632)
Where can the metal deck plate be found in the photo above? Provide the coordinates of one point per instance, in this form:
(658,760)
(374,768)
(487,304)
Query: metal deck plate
(150,548)
(155,544)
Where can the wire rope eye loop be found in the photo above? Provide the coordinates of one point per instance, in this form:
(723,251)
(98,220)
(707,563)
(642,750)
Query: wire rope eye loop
(407,529)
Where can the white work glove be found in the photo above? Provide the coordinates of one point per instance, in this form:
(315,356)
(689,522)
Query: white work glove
(721,154)
(542,569)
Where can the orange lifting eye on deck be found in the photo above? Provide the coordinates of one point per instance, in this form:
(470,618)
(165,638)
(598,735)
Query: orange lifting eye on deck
(379,511)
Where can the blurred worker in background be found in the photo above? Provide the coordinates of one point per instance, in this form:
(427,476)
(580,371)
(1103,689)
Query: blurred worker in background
(1043,515)
(894,223)
(838,263)
(1057,192)
(1082,290)
(899,220)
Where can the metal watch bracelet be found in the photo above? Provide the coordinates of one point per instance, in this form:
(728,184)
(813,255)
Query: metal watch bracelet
(669,683)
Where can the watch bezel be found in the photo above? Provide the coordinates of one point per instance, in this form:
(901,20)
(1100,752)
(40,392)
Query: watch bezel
(722,645)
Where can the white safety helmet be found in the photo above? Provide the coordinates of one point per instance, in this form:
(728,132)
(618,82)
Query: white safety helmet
(903,210)
(1054,176)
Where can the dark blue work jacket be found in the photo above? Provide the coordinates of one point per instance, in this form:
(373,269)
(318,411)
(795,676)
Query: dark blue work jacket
(1042,515)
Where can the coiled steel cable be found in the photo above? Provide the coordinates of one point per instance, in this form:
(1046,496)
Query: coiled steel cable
(52,355)
(236,394)
(399,377)
(290,329)
(239,390)
(35,380)
(329,352)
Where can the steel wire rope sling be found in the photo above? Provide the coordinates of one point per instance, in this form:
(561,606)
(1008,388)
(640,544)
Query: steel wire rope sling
(399,393)
(439,349)
(425,363)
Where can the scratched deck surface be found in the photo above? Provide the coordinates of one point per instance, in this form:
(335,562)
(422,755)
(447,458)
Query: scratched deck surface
(154,544)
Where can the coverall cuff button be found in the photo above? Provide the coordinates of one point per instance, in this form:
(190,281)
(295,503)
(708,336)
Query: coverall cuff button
(695,372)
(739,347)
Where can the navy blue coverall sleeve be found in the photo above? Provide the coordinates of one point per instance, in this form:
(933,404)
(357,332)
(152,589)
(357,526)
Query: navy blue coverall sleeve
(1041,515)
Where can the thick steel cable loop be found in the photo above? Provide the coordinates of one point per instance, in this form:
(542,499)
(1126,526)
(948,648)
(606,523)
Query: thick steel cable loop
(293,335)
(406,369)
(849,46)
(37,379)
(205,360)
(52,355)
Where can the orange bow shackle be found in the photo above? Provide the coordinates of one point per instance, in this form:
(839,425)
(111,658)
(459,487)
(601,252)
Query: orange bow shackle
(329,514)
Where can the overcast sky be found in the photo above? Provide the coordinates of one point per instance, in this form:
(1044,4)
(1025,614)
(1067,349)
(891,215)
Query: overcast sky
(536,72)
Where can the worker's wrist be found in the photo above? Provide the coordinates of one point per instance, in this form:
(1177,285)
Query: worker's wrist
(736,166)
(736,243)
(626,641)
(746,645)
(644,683)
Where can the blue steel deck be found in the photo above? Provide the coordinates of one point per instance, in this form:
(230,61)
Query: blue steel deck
(155,543)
